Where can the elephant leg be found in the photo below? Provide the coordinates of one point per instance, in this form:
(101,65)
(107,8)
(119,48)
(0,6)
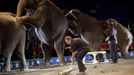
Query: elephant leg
(7,49)
(1,56)
(126,54)
(46,54)
(96,47)
(21,53)
(7,60)
(46,57)
(58,47)
(124,45)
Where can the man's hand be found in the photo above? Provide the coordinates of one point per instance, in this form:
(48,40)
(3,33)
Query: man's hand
(73,57)
(116,42)
(106,40)
(72,60)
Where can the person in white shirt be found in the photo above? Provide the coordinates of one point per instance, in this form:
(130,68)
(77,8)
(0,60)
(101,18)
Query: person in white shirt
(112,41)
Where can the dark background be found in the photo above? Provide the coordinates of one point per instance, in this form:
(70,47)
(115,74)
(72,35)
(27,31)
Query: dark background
(122,10)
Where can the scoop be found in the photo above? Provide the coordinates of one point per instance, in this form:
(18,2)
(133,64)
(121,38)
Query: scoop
(66,72)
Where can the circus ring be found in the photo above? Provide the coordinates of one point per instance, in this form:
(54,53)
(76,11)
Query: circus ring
(55,60)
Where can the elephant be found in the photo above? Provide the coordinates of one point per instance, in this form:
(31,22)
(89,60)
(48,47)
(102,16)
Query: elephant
(92,30)
(88,28)
(51,23)
(12,39)
(124,37)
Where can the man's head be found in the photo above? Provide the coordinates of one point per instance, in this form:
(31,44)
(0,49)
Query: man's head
(68,39)
(111,22)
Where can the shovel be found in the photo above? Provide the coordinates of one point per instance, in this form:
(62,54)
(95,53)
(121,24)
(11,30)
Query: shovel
(67,71)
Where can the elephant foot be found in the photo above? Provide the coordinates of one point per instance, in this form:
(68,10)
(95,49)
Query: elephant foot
(62,64)
(5,70)
(128,57)
(47,63)
(24,69)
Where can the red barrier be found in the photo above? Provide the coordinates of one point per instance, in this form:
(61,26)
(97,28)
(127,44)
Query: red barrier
(105,46)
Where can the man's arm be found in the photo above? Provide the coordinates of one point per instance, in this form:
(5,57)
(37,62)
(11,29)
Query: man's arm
(107,39)
(115,35)
(73,56)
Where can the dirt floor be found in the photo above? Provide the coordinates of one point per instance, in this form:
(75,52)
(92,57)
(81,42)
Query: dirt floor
(123,67)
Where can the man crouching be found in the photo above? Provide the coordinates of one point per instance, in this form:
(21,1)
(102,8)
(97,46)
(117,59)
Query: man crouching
(79,50)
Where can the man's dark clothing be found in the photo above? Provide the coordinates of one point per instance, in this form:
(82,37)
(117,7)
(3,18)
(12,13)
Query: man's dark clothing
(113,51)
(111,38)
(82,48)
(113,45)
(78,44)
